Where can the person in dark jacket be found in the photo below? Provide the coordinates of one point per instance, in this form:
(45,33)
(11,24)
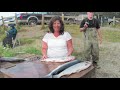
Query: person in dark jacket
(10,35)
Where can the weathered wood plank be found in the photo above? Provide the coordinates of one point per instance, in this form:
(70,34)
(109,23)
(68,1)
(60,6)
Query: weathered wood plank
(38,70)
(81,73)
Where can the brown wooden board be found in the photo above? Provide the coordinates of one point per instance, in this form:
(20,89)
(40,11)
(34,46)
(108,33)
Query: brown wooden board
(37,69)
(7,65)
(81,74)
(30,69)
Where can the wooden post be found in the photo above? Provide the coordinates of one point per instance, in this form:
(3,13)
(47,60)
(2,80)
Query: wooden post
(82,17)
(62,17)
(3,24)
(98,16)
(16,20)
(114,21)
(42,27)
(101,21)
(95,17)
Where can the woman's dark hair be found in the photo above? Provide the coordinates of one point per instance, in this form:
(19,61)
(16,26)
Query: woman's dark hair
(53,19)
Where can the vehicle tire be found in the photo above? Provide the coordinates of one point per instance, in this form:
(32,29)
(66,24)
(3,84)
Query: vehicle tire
(71,21)
(110,23)
(32,22)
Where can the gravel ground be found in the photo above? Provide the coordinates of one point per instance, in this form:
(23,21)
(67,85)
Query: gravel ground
(109,61)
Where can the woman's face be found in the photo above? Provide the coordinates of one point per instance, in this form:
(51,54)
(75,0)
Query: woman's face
(56,26)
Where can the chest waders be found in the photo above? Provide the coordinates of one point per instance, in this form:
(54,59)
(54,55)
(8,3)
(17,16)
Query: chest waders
(91,48)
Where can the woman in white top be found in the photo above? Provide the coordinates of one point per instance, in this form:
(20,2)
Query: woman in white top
(57,43)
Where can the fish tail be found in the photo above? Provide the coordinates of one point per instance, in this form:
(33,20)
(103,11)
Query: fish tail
(48,76)
(56,76)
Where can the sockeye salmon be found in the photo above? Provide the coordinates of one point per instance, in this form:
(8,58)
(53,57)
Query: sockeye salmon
(74,69)
(63,59)
(61,68)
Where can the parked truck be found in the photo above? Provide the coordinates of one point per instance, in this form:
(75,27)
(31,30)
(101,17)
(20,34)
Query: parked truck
(36,18)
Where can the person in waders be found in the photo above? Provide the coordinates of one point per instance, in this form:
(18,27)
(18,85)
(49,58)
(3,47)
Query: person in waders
(91,30)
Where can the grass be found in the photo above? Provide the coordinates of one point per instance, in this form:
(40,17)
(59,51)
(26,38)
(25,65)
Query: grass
(26,41)
(18,27)
(117,25)
(74,30)
(13,52)
(21,28)
(38,37)
(7,52)
(29,45)
(32,50)
(109,50)
(26,47)
(2,36)
(108,35)
(111,36)
(3,29)
(2,33)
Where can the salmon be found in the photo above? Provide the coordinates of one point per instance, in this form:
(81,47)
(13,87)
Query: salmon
(63,59)
(74,69)
(61,68)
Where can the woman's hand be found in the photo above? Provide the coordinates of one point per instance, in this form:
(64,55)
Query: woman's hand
(44,57)
(100,40)
(70,47)
(69,54)
(44,50)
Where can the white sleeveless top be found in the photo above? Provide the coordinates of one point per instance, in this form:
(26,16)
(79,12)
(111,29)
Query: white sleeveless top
(57,46)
